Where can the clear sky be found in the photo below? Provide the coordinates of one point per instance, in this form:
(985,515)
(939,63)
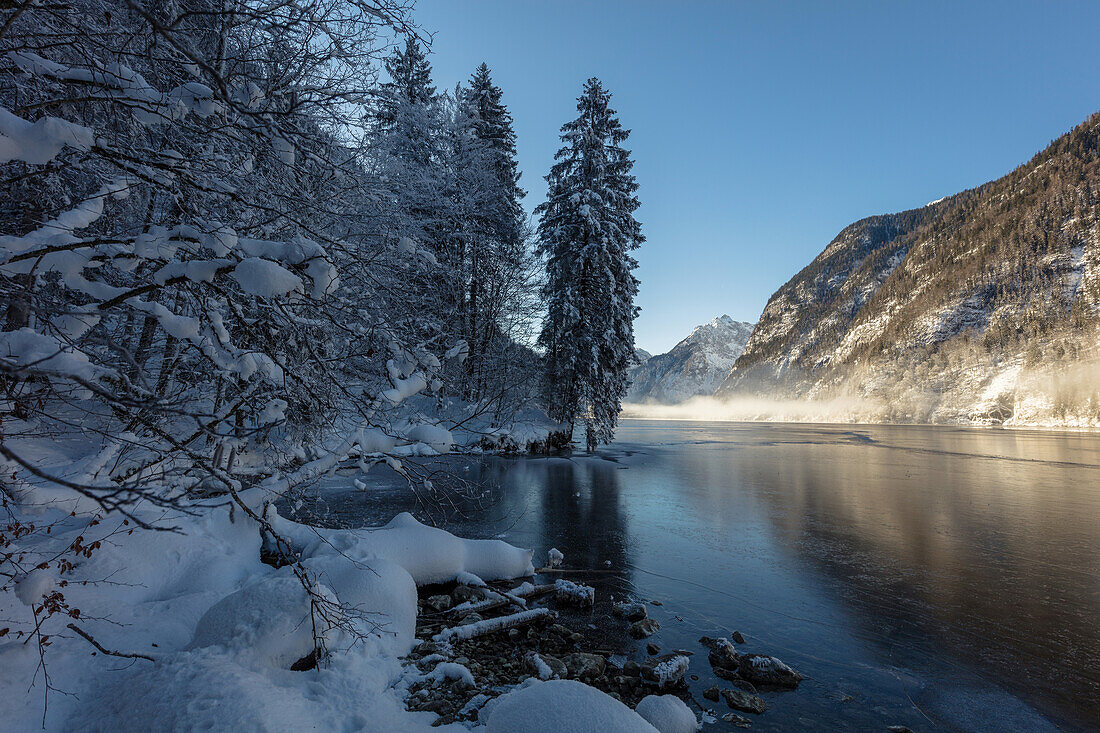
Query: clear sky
(761,129)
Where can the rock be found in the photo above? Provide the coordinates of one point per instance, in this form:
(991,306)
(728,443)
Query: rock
(898,729)
(427,647)
(743,701)
(744,685)
(645,627)
(438,603)
(665,671)
(711,693)
(629,611)
(563,631)
(469,618)
(467,594)
(556,666)
(722,653)
(737,638)
(739,720)
(652,649)
(731,675)
(435,706)
(631,668)
(769,671)
(585,667)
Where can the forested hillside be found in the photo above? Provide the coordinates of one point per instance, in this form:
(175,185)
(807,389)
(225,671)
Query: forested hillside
(981,307)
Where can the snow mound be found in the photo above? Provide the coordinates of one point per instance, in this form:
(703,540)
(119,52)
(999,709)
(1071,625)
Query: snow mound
(562,706)
(382,593)
(668,714)
(268,620)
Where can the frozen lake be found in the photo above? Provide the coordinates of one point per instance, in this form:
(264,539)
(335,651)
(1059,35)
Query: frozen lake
(935,577)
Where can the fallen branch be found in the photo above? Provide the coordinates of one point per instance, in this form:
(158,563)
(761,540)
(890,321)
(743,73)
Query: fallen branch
(97,645)
(502,600)
(488,626)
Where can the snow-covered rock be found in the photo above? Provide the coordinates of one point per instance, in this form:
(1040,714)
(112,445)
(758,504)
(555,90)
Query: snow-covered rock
(562,706)
(668,714)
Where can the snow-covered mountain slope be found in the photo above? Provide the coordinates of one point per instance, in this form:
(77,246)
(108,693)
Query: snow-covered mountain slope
(695,366)
(969,309)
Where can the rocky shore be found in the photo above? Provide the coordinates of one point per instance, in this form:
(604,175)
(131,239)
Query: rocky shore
(477,643)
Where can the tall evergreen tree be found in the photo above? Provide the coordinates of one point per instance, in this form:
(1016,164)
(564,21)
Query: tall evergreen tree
(587,232)
(410,81)
(497,245)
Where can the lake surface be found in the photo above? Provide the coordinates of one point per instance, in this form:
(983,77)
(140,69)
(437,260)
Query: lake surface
(935,577)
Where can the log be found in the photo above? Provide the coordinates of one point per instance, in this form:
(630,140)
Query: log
(501,600)
(491,625)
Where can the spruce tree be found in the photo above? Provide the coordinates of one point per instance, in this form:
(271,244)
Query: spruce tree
(586,233)
(497,251)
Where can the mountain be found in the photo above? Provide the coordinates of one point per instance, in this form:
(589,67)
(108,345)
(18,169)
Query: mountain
(695,366)
(982,307)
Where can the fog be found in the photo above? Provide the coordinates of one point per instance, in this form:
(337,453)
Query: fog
(1061,395)
(761,409)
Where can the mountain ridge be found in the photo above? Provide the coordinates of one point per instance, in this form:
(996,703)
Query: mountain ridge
(950,312)
(696,365)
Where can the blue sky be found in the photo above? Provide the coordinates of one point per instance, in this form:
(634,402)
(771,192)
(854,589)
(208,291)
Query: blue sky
(761,129)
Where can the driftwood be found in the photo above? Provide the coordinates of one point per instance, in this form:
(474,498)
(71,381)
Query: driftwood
(491,625)
(502,599)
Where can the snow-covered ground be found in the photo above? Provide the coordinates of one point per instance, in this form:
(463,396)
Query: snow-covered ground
(208,633)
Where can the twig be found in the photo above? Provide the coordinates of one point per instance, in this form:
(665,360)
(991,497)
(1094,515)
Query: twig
(98,646)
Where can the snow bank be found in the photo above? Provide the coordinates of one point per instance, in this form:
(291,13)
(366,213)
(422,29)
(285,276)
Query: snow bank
(668,714)
(225,628)
(562,706)
(429,555)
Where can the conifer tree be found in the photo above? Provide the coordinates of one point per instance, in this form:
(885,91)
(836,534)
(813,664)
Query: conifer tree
(497,256)
(586,233)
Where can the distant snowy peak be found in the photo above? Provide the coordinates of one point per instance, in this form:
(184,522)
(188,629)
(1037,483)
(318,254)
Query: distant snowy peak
(695,366)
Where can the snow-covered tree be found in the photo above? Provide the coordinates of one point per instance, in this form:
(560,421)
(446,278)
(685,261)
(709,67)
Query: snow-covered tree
(496,257)
(586,233)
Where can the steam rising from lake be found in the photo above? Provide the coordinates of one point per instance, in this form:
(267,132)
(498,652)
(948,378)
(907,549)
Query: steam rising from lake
(1064,396)
(747,409)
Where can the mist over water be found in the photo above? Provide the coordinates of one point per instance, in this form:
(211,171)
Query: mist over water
(759,409)
(1066,395)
